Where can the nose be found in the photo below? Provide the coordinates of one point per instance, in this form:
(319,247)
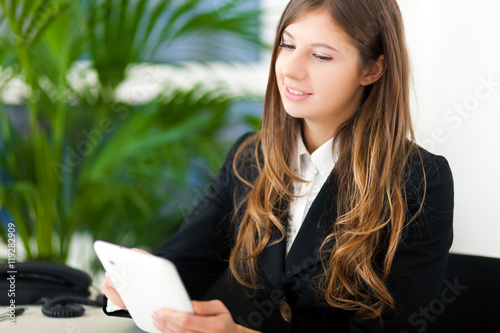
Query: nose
(293,66)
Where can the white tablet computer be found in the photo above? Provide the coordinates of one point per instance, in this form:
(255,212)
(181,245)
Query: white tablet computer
(145,283)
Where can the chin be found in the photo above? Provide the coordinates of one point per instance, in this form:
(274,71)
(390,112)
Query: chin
(292,112)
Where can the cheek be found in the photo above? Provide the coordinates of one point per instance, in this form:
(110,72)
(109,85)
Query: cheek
(338,82)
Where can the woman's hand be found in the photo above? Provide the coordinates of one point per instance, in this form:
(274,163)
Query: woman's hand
(108,288)
(208,317)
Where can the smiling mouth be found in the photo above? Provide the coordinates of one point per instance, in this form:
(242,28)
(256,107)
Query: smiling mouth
(296,92)
(294,95)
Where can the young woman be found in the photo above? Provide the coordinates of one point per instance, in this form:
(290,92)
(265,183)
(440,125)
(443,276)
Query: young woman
(331,218)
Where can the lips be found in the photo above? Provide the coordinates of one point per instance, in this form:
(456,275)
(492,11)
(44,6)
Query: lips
(296,95)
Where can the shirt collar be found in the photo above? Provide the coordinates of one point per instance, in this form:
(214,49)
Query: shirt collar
(322,158)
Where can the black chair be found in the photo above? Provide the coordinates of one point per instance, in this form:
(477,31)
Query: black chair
(470,298)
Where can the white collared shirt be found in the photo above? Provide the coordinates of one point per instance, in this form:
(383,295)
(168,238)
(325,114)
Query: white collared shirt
(315,169)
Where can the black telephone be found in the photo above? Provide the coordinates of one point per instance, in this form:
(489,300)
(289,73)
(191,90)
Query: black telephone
(57,287)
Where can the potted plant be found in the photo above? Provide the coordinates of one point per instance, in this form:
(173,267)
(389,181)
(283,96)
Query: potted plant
(76,159)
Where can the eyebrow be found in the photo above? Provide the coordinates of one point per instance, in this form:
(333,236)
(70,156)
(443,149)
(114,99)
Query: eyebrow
(314,44)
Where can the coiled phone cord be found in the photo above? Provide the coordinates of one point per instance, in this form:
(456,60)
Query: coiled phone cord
(68,306)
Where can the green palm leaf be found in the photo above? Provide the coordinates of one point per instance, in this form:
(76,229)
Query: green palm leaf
(124,32)
(28,19)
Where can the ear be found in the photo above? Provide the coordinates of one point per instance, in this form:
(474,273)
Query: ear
(374,71)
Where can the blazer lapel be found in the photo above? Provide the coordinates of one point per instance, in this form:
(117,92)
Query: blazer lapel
(272,262)
(303,254)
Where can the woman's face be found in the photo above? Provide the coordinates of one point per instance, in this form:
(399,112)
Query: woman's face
(318,72)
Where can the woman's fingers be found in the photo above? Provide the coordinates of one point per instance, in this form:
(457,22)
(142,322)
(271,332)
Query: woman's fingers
(141,251)
(210,308)
(174,321)
(209,317)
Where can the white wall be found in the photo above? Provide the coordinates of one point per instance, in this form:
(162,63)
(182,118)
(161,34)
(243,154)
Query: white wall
(455,47)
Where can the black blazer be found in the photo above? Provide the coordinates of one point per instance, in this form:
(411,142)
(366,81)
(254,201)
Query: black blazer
(201,248)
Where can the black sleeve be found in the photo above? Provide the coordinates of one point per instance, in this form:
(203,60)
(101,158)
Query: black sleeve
(201,246)
(419,266)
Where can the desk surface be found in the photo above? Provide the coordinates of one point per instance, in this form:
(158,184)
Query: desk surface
(93,321)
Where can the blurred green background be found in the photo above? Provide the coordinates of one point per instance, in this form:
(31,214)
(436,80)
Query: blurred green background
(78,160)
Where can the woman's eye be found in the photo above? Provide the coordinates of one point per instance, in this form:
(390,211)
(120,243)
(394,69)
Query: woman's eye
(287,46)
(317,56)
(322,58)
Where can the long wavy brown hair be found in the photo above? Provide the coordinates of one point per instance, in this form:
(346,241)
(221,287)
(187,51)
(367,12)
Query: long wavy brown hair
(374,149)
